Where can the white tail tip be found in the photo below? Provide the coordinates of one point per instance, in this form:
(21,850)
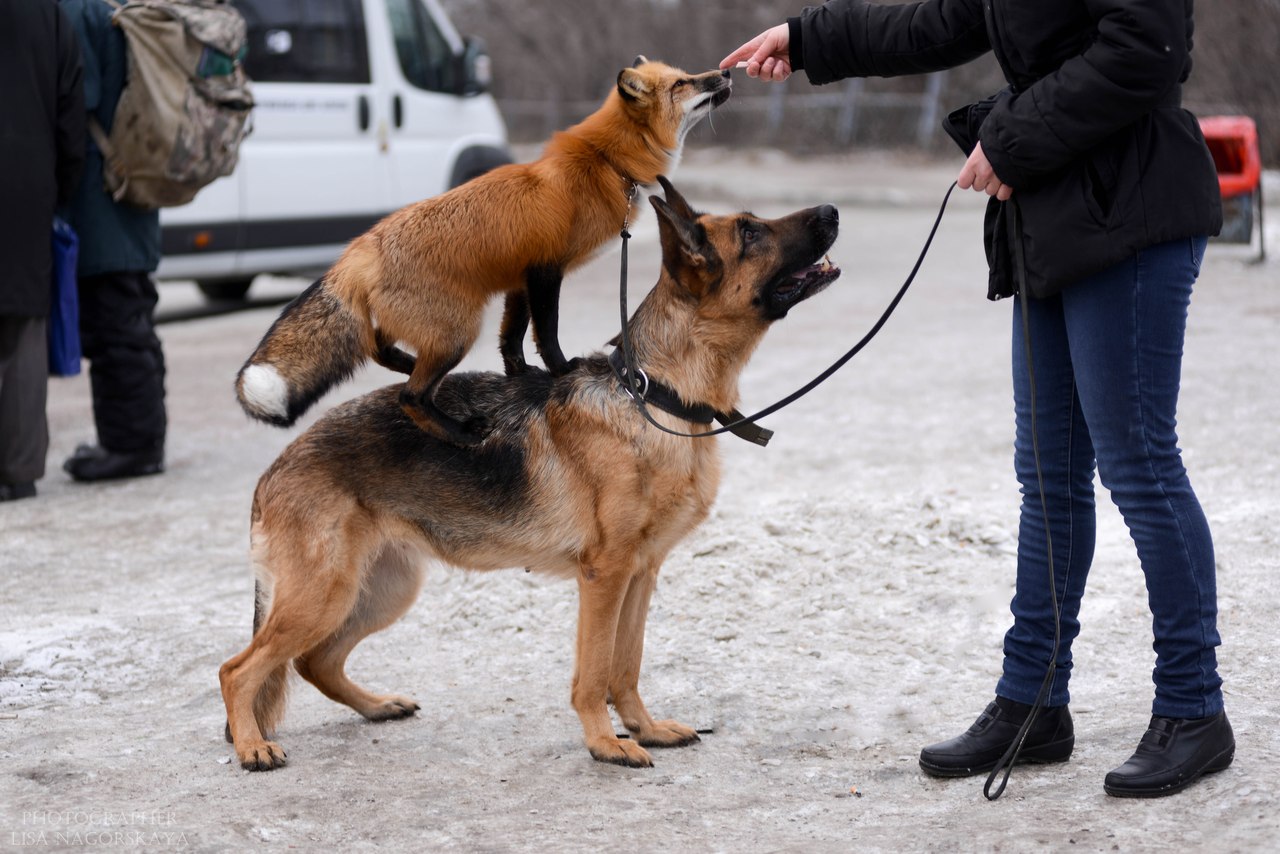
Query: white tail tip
(264,391)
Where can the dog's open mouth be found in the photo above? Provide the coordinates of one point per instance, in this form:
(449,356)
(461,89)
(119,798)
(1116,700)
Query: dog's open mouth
(801,284)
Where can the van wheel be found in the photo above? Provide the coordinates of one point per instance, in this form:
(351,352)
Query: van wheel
(226,290)
(474,162)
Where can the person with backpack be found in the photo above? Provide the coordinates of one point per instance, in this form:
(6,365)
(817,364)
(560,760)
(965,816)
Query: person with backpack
(119,250)
(1102,197)
(41,154)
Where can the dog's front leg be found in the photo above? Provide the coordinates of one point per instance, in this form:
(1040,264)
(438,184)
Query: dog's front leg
(624,677)
(543,287)
(602,587)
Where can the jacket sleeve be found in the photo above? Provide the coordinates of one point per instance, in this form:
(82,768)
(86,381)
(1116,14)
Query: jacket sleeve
(1139,55)
(854,38)
(69,130)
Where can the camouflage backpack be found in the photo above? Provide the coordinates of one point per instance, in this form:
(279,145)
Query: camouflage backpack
(186,101)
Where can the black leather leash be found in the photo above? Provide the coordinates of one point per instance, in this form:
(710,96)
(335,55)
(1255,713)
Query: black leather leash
(636,383)
(1006,762)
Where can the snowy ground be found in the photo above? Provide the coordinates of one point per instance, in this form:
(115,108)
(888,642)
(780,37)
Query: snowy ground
(843,606)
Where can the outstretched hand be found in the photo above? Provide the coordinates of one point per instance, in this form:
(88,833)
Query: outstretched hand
(768,55)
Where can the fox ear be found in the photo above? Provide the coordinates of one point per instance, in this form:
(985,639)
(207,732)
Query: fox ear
(632,85)
(675,200)
(640,60)
(686,254)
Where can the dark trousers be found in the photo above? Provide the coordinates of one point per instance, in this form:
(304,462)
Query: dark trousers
(24,386)
(1108,363)
(126,362)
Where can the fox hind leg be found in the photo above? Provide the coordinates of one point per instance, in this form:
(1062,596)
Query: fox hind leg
(417,399)
(390,356)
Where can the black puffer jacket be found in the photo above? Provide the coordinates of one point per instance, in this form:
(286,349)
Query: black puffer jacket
(1090,133)
(41,146)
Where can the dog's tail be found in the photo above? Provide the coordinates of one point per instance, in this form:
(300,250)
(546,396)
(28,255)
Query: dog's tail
(315,343)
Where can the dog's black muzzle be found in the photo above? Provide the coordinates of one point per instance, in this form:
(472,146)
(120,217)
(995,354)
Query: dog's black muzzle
(812,270)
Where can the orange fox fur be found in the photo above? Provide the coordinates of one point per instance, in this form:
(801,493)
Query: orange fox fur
(423,275)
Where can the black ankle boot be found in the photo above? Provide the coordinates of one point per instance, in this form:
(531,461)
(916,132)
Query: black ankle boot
(94,462)
(977,750)
(1173,754)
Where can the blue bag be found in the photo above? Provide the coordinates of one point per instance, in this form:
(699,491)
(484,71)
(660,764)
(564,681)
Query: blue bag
(64,313)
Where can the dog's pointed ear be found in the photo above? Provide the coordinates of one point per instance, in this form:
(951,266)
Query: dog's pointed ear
(686,255)
(675,200)
(632,86)
(641,59)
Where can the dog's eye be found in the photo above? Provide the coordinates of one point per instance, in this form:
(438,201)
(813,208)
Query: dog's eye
(750,234)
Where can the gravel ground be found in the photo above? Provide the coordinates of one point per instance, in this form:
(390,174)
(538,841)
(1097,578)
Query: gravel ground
(843,606)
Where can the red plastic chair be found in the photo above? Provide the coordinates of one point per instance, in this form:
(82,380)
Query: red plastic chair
(1233,142)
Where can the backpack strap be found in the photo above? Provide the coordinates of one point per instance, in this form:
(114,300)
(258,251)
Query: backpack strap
(111,173)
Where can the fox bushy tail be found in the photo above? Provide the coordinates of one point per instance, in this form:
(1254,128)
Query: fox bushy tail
(316,343)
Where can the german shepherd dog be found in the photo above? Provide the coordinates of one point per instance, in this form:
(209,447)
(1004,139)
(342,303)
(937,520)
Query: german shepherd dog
(571,480)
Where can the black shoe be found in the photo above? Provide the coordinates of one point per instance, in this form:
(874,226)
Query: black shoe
(14,491)
(977,750)
(93,462)
(1173,754)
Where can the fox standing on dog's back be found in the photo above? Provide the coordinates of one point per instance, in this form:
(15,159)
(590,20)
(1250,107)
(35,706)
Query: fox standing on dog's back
(423,275)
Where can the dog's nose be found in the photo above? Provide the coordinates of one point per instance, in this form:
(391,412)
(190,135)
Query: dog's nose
(828,213)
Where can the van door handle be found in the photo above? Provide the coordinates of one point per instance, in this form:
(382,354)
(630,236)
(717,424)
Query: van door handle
(362,112)
(397,111)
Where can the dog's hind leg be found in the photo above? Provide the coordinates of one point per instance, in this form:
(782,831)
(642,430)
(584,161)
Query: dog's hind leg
(602,586)
(390,586)
(624,676)
(302,614)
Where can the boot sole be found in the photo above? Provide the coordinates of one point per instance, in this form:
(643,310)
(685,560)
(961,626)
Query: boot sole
(1218,763)
(1042,754)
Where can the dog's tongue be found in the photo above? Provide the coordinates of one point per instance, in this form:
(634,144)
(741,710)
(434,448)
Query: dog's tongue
(821,268)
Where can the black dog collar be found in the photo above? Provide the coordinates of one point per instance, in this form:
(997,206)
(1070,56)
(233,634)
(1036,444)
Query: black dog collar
(662,396)
(665,398)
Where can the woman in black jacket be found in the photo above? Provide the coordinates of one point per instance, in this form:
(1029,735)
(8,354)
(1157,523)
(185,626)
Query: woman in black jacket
(1117,194)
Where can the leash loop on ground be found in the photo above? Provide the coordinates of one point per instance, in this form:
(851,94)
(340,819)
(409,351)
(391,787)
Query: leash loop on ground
(1006,762)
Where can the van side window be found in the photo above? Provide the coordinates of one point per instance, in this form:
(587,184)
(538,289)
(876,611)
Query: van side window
(306,41)
(426,58)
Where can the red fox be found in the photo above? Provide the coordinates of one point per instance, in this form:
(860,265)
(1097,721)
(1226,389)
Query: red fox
(423,275)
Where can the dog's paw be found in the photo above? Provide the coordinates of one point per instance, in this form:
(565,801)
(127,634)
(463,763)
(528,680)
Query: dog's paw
(618,752)
(261,756)
(391,708)
(668,734)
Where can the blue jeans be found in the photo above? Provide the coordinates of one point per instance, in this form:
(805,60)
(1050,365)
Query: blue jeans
(1107,354)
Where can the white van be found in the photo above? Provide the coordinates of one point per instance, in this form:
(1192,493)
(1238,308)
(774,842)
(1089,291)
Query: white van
(363,106)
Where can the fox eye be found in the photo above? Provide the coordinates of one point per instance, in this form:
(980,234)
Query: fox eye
(680,83)
(750,234)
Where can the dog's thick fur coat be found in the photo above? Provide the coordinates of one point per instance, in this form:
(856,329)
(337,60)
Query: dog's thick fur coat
(570,480)
(423,275)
